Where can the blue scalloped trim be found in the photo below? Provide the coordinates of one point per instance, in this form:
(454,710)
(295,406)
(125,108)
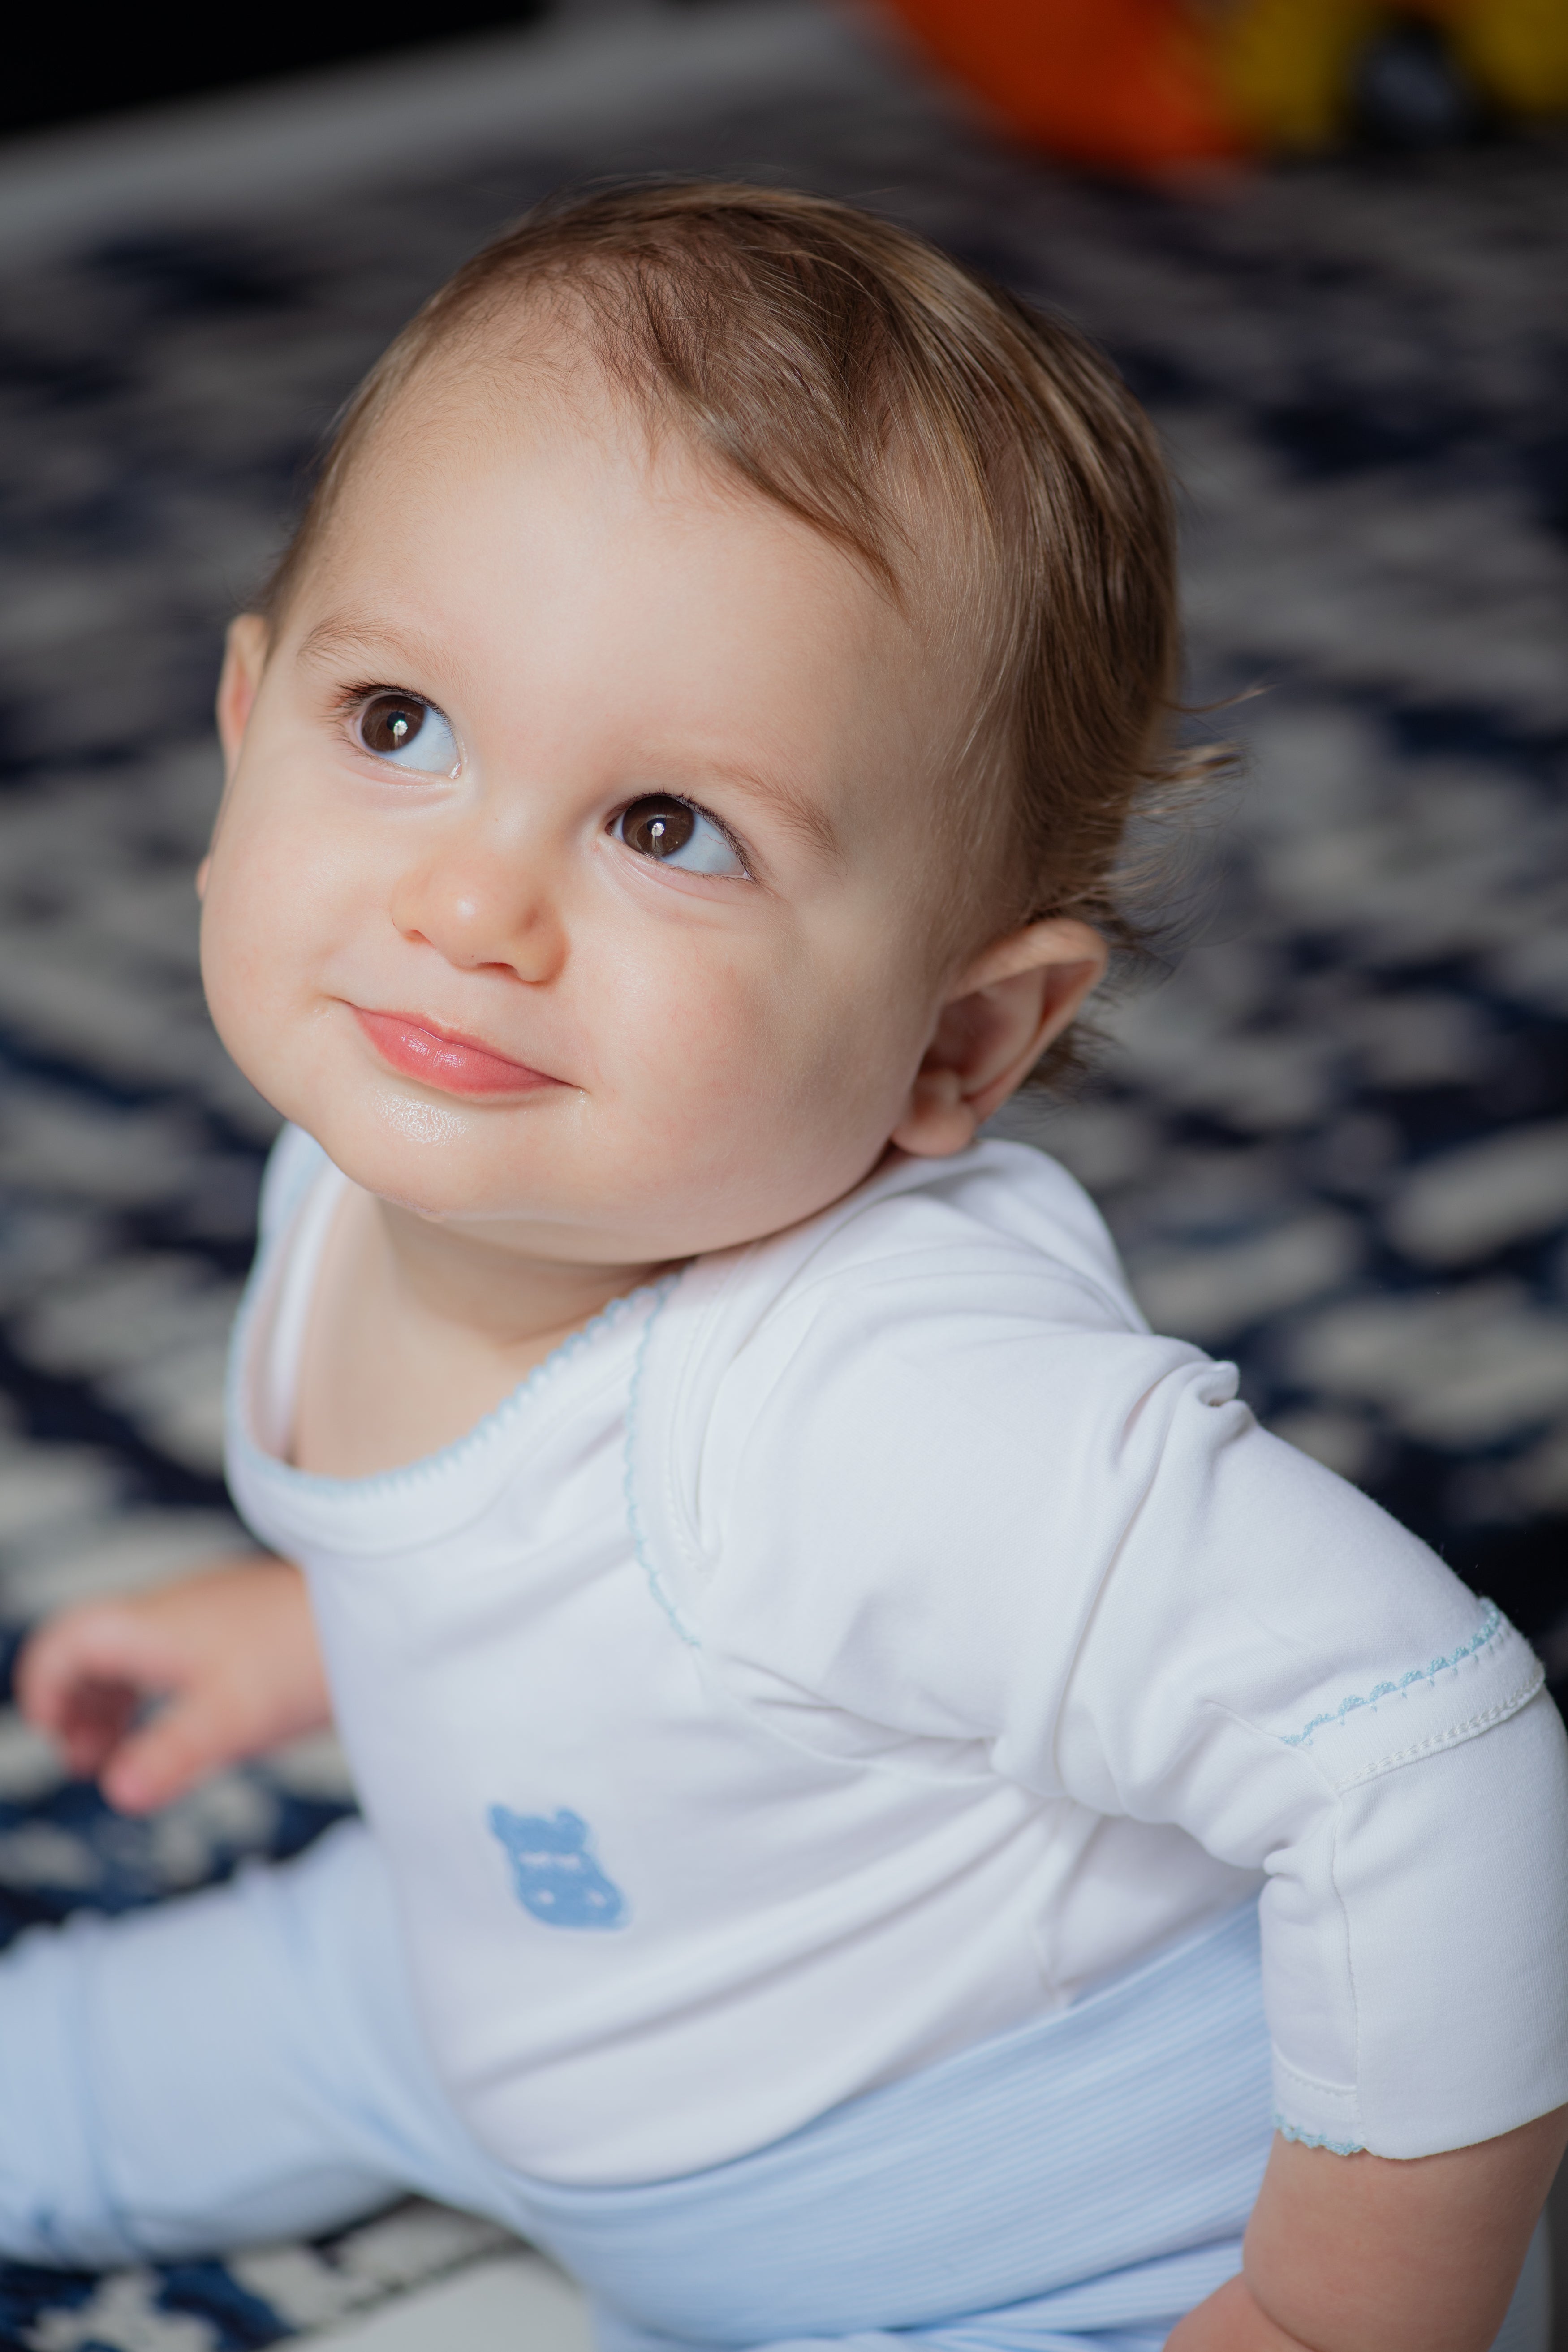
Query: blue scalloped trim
(1491,1625)
(634,1517)
(428,1466)
(1315,2139)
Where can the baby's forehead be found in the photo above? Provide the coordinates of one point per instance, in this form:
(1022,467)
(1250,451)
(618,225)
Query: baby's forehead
(532,375)
(539,361)
(552,484)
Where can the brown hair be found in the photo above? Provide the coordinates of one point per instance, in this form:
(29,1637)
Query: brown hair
(853,373)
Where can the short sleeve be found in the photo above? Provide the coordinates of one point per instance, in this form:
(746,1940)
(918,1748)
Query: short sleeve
(955,1518)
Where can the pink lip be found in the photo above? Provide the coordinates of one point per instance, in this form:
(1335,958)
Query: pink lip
(457,1065)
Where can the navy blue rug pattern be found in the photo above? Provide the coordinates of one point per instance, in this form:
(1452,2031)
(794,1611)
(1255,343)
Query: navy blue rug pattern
(1333,1143)
(250,2300)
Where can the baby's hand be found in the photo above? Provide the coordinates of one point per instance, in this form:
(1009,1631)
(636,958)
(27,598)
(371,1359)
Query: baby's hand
(231,1653)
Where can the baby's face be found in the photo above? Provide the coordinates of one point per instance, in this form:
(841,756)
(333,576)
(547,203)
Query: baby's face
(576,874)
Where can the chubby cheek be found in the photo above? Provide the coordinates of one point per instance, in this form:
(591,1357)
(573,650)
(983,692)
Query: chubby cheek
(270,917)
(760,1088)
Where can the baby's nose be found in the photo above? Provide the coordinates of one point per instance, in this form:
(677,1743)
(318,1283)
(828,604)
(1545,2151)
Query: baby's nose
(477,912)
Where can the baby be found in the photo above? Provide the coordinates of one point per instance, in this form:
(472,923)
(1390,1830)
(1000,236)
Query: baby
(893,1813)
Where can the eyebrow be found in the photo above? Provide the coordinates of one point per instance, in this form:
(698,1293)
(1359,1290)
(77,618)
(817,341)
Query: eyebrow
(796,809)
(336,635)
(330,639)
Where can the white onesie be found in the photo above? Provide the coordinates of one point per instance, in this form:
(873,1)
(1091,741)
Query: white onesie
(870,1640)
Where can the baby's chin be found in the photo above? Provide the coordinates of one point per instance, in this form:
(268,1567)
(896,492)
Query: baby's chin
(524,1184)
(568,1177)
(441,1157)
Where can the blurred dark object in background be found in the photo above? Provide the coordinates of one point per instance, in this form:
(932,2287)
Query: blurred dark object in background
(1408,90)
(61,68)
(1152,85)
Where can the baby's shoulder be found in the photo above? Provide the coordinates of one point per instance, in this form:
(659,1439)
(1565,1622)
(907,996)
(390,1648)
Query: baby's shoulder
(935,1286)
(954,1341)
(998,1229)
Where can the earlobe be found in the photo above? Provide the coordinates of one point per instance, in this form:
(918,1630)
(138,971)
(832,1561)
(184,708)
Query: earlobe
(1003,1012)
(936,1120)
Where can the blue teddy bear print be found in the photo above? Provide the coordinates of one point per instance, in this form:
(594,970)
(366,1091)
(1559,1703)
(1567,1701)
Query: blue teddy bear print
(554,1876)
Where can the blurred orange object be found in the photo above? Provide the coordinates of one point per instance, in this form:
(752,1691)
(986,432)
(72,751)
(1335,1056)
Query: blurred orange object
(1126,85)
(1152,86)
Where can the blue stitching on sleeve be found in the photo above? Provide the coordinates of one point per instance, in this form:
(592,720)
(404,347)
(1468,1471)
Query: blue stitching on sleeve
(1491,1625)
(634,1517)
(1315,2139)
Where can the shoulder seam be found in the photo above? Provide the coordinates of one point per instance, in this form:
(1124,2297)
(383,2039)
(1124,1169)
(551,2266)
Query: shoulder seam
(640,1543)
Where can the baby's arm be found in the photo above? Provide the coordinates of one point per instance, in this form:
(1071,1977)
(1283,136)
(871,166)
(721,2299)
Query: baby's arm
(1360,2253)
(231,1654)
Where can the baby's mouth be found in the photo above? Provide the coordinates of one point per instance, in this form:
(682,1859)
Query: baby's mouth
(454,1066)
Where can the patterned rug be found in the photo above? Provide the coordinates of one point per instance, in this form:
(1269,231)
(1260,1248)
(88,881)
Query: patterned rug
(1333,1143)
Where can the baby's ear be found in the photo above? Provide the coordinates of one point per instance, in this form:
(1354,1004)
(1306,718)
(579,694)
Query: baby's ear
(244,658)
(1003,1013)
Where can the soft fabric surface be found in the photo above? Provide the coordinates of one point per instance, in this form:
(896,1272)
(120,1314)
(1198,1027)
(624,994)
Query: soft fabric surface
(1334,1145)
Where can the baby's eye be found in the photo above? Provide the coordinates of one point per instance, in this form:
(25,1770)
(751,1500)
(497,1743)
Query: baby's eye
(408,733)
(677,834)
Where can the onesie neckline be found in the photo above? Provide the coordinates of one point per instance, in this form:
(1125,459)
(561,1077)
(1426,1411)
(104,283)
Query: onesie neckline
(359,1512)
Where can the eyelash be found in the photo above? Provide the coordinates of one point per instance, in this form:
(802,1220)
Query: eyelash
(350,701)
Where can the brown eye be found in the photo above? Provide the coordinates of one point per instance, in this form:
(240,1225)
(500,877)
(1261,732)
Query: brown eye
(407,732)
(658,828)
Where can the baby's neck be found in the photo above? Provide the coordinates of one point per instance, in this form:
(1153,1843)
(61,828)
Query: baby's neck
(417,1330)
(498,1295)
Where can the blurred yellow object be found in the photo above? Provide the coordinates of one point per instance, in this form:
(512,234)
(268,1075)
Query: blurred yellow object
(1516,51)
(1287,67)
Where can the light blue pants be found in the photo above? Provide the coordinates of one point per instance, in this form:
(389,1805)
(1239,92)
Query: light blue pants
(245,2064)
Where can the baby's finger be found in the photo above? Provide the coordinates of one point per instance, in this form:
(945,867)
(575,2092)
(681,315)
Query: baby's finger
(42,1678)
(102,1645)
(179,1746)
(93,1720)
